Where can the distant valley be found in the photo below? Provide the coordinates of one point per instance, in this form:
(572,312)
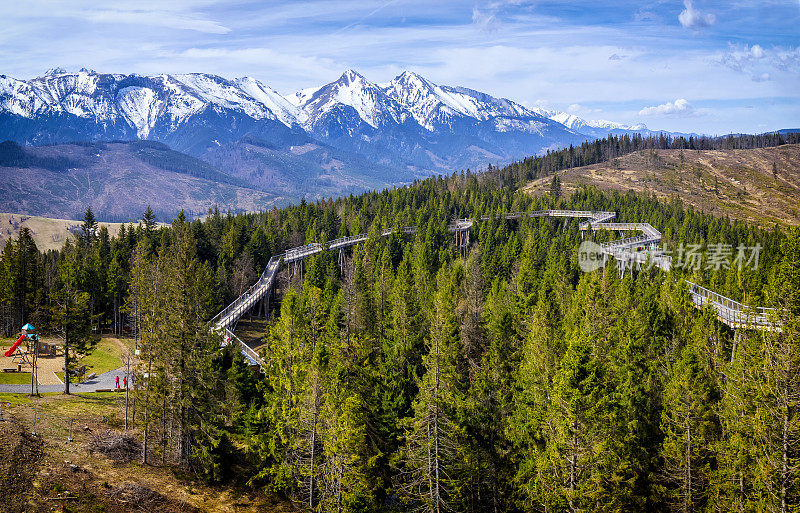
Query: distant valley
(250,147)
(118,181)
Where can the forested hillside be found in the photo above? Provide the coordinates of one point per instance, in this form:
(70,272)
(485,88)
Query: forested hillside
(118,180)
(411,379)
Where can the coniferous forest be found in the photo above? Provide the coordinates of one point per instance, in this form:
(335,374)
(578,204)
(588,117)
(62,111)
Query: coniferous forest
(411,379)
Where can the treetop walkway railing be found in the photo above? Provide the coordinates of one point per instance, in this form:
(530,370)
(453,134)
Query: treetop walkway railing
(733,313)
(730,312)
(231,313)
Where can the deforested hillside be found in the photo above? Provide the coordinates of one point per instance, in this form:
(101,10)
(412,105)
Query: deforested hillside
(118,180)
(761,185)
(48,233)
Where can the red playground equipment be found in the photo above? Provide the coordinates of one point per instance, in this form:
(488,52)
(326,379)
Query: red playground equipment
(16,345)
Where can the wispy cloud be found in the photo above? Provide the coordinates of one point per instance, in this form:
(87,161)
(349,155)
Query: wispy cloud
(760,63)
(616,58)
(485,20)
(693,19)
(160,18)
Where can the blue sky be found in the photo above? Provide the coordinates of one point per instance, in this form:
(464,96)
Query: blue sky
(705,66)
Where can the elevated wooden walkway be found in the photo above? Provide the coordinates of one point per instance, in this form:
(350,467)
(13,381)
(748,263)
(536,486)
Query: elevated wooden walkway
(734,314)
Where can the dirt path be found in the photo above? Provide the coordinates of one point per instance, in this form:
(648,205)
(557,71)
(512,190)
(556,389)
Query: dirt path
(20,457)
(119,343)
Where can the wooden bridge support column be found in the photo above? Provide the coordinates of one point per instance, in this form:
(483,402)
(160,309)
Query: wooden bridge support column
(341,260)
(462,242)
(296,269)
(738,339)
(264,306)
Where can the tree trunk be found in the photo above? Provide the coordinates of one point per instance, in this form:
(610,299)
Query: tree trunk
(66,362)
(785,459)
(313,457)
(688,498)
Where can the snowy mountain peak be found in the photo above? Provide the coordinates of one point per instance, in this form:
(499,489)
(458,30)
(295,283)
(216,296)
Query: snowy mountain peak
(285,111)
(55,71)
(351,76)
(351,90)
(435,106)
(578,124)
(412,79)
(142,103)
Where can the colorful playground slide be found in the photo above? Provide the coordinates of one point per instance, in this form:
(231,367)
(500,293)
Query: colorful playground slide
(14,347)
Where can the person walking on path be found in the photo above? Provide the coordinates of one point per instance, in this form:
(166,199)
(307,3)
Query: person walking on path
(117,381)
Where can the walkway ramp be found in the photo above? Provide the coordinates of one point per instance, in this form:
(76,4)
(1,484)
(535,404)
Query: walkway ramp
(233,312)
(732,313)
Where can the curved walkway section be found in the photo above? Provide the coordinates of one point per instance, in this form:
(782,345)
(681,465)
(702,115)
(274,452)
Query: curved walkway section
(732,313)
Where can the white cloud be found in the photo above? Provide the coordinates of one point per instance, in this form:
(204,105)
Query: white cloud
(691,18)
(761,63)
(157,18)
(485,20)
(679,108)
(582,110)
(788,59)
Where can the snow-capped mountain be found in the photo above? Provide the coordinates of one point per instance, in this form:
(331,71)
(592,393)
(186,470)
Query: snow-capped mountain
(405,128)
(600,128)
(414,122)
(140,100)
(575,123)
(86,105)
(436,107)
(370,103)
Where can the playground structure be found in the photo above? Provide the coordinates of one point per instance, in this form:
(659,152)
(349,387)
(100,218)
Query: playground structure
(14,347)
(43,359)
(625,250)
(22,356)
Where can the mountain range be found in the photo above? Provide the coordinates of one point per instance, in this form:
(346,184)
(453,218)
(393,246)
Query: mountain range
(345,136)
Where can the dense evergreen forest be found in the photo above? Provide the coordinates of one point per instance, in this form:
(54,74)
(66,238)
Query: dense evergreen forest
(412,379)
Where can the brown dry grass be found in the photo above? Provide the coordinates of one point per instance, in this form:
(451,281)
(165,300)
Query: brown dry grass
(736,183)
(93,481)
(48,233)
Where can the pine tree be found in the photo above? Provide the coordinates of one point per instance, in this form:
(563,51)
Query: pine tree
(555,187)
(690,424)
(89,227)
(149,221)
(71,312)
(432,444)
(777,383)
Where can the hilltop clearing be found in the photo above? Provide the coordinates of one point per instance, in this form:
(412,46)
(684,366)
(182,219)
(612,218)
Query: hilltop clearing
(48,233)
(737,183)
